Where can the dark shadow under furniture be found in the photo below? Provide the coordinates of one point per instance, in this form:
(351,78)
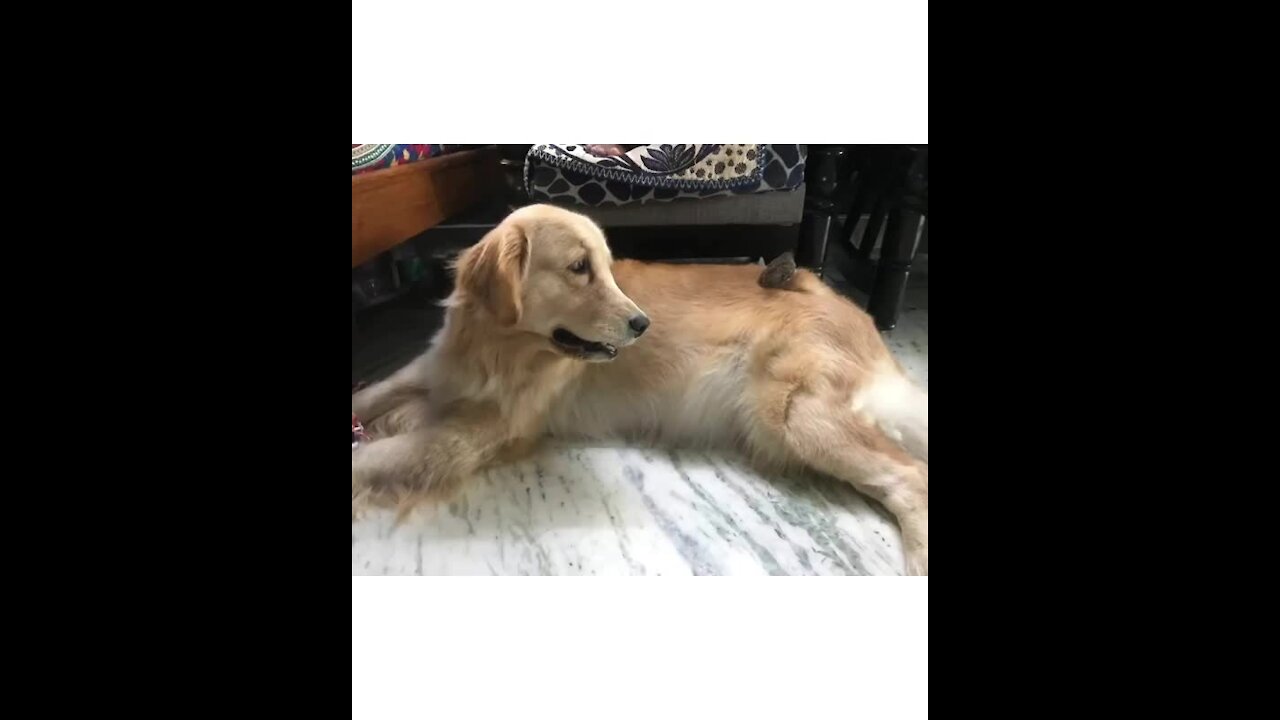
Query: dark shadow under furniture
(674,242)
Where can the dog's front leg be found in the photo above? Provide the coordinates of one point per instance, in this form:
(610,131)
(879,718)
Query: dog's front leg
(427,463)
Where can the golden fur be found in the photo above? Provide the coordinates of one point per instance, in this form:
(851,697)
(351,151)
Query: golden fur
(790,377)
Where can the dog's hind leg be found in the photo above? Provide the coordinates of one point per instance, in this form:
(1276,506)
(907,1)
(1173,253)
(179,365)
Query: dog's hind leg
(823,431)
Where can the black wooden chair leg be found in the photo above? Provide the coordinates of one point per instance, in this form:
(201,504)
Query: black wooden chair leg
(901,238)
(815,232)
(870,234)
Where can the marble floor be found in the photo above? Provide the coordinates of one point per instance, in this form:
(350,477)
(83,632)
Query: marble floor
(615,510)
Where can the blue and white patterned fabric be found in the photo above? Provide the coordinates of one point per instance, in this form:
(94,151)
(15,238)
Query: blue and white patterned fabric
(570,174)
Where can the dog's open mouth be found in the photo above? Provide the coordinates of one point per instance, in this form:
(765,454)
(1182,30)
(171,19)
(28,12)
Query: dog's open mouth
(574,345)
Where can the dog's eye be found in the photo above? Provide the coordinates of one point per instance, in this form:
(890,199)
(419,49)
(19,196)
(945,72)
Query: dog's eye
(579,267)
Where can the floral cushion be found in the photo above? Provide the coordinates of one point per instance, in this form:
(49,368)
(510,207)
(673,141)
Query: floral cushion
(577,174)
(365,158)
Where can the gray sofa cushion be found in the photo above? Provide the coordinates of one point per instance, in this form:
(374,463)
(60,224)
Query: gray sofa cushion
(768,208)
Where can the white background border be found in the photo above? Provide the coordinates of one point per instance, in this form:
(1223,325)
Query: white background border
(483,71)
(652,648)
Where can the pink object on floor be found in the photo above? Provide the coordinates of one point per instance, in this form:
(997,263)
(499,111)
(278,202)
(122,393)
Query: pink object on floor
(358,435)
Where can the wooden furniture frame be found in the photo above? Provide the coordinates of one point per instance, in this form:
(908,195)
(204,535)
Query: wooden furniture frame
(390,206)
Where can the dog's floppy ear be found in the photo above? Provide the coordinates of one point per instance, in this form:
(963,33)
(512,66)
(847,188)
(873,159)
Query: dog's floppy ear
(493,271)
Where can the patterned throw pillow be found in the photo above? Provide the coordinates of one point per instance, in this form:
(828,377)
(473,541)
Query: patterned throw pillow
(375,157)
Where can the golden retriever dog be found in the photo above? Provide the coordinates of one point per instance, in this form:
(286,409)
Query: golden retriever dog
(546,334)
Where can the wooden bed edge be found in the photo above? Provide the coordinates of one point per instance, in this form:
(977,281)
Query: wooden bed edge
(390,206)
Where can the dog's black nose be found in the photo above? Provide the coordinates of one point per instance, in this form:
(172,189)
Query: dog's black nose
(639,324)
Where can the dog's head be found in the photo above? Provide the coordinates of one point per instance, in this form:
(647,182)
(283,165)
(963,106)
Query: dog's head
(546,271)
